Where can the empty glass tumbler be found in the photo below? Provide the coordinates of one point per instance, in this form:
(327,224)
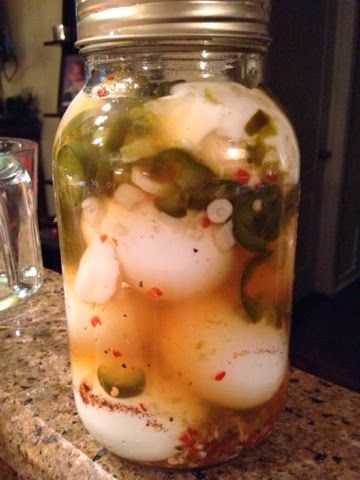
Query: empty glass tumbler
(176,180)
(21,271)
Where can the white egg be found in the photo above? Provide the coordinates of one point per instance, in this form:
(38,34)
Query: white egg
(130,435)
(125,324)
(228,361)
(174,258)
(98,273)
(147,427)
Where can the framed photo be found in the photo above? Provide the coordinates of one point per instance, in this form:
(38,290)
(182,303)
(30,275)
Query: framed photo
(71,79)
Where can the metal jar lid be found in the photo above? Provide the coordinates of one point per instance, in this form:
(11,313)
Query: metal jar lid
(103,22)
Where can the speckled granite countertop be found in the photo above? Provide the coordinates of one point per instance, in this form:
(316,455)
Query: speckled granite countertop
(41,437)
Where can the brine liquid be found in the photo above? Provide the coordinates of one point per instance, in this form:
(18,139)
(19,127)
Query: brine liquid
(177,235)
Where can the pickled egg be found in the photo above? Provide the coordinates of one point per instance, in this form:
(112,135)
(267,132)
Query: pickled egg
(224,358)
(120,431)
(161,256)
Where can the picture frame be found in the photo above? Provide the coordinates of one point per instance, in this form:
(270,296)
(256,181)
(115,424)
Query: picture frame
(72,79)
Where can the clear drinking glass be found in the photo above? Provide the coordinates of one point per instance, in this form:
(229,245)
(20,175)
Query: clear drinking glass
(21,271)
(27,153)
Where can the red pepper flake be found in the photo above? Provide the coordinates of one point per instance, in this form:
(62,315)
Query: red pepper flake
(219,376)
(142,406)
(272,176)
(110,77)
(184,438)
(205,222)
(87,387)
(242,176)
(155,292)
(103,237)
(192,432)
(115,242)
(95,321)
(101,92)
(188,437)
(141,284)
(116,353)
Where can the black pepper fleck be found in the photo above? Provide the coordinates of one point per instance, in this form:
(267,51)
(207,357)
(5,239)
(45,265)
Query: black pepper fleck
(123,365)
(195,250)
(316,400)
(320,457)
(99,454)
(337,459)
(50,439)
(199,476)
(294,380)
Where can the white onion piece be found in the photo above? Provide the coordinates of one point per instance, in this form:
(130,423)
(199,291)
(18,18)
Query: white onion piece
(128,195)
(219,210)
(223,236)
(143,181)
(93,211)
(98,273)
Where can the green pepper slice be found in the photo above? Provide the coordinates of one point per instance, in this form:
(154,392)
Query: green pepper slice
(257,308)
(117,133)
(254,227)
(121,381)
(260,122)
(291,201)
(181,176)
(70,177)
(216,189)
(179,167)
(71,235)
(74,128)
(174,202)
(104,176)
(257,122)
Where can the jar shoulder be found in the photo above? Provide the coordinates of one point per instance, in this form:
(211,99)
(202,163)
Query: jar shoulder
(198,116)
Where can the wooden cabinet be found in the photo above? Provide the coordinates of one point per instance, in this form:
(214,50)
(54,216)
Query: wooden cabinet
(348,228)
(310,71)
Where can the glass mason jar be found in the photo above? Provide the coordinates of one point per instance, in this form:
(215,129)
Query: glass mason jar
(176,181)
